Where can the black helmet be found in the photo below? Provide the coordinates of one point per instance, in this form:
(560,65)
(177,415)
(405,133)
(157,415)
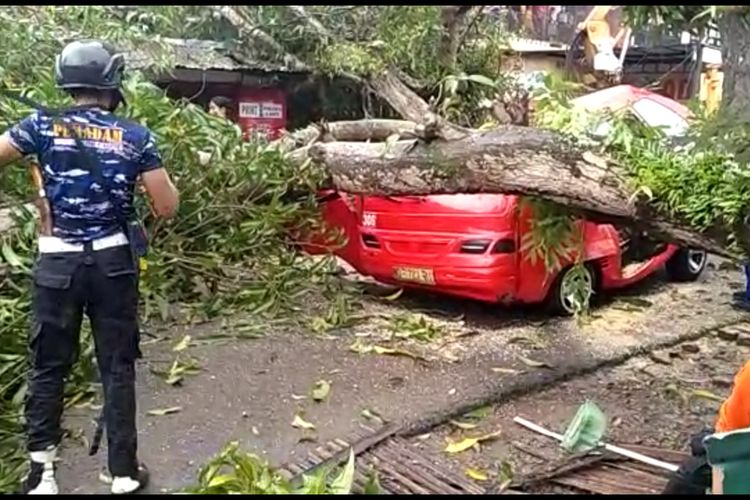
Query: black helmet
(89,64)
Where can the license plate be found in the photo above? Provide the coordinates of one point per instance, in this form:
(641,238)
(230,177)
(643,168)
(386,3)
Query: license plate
(415,275)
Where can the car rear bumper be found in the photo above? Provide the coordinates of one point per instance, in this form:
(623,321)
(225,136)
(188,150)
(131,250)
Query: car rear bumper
(490,284)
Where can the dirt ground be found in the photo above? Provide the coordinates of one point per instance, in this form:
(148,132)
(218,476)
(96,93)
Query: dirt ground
(658,400)
(251,390)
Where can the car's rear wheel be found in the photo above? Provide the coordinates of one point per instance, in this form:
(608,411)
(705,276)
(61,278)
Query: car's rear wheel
(686,264)
(572,290)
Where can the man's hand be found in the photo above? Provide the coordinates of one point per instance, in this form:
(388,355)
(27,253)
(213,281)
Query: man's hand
(163,194)
(8,152)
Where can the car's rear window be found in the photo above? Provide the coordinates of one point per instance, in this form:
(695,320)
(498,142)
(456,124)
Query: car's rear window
(654,114)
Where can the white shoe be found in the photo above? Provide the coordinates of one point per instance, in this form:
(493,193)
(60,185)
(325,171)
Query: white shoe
(41,478)
(126,485)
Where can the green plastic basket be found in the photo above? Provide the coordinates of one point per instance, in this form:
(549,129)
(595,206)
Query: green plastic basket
(585,430)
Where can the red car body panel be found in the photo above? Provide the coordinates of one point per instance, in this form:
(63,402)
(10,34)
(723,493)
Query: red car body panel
(424,235)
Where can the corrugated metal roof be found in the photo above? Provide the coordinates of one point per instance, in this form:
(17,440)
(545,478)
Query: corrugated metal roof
(197,55)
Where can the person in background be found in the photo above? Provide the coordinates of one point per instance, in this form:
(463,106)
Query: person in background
(694,474)
(220,106)
(741,300)
(88,264)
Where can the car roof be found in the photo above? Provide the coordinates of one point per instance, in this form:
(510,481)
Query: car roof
(623,96)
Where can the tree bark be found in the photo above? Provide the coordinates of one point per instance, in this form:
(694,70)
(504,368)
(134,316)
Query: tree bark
(510,159)
(451,17)
(735,48)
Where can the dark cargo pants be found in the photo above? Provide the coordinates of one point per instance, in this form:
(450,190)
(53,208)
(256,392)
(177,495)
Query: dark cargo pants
(103,284)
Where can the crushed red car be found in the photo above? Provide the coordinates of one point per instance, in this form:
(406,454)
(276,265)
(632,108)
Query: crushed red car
(469,245)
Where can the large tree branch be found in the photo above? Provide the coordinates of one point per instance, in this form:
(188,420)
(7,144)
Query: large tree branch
(391,88)
(510,159)
(248,29)
(301,14)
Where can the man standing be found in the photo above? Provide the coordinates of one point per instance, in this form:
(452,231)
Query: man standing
(220,106)
(742,299)
(90,161)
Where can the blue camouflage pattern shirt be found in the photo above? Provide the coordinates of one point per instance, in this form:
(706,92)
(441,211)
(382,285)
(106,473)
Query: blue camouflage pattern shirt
(81,209)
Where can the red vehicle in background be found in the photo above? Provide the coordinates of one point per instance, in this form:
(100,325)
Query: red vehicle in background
(469,245)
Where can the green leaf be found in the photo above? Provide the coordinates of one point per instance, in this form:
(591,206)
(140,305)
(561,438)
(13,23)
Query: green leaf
(221,480)
(372,486)
(11,257)
(342,484)
(483,80)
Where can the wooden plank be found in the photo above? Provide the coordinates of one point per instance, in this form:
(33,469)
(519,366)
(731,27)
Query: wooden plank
(460,482)
(613,481)
(662,454)
(358,448)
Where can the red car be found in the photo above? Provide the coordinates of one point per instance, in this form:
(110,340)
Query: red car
(468,245)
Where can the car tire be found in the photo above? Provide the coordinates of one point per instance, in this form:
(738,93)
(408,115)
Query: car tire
(557,302)
(686,264)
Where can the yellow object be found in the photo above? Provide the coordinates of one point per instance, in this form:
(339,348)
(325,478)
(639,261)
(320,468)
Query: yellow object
(142,264)
(710,92)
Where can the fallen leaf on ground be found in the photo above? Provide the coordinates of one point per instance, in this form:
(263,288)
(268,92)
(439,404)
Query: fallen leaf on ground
(300,423)
(463,425)
(509,371)
(321,390)
(182,344)
(255,431)
(164,411)
(424,437)
(702,393)
(476,474)
(533,363)
(372,486)
(371,415)
(479,413)
(394,352)
(466,443)
(505,475)
(366,349)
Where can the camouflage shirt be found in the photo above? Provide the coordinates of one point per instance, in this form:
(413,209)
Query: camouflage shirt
(82,209)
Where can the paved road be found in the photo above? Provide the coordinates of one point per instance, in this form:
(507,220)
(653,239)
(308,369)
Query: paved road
(245,389)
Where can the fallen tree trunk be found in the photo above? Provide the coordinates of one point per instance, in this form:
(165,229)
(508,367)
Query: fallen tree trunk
(509,159)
